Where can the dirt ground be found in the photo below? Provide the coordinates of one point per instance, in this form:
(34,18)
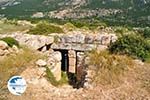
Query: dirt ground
(38,88)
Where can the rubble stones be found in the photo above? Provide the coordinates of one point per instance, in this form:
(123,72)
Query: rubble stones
(32,41)
(6,50)
(54,64)
(89,39)
(75,41)
(3,45)
(2,53)
(41,63)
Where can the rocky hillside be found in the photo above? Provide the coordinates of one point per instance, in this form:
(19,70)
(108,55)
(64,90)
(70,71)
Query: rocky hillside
(129,11)
(125,79)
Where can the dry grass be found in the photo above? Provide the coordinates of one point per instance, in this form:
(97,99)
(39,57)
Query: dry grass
(143,75)
(15,64)
(9,28)
(120,76)
(109,69)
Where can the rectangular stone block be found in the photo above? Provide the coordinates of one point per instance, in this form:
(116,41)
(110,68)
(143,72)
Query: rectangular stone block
(72,65)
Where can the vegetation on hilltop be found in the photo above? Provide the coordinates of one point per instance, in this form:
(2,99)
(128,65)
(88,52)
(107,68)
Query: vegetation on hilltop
(44,28)
(133,45)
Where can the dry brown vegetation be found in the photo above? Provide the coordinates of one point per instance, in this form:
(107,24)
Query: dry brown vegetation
(14,64)
(109,68)
(121,76)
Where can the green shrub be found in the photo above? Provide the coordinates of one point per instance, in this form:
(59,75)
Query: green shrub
(44,28)
(10,41)
(146,33)
(132,45)
(69,26)
(51,77)
(53,81)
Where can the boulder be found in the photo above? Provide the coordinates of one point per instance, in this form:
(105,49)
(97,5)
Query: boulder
(3,45)
(73,38)
(54,64)
(34,41)
(41,63)
(89,39)
(57,71)
(80,38)
(15,49)
(51,63)
(69,38)
(6,52)
(44,49)
(57,56)
(2,53)
(106,39)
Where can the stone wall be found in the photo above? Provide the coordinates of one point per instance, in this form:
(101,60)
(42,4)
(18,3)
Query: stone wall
(74,41)
(83,42)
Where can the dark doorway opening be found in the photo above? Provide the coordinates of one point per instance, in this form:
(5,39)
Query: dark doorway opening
(64,60)
(75,79)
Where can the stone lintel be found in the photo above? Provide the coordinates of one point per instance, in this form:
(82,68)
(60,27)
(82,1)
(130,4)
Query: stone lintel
(73,46)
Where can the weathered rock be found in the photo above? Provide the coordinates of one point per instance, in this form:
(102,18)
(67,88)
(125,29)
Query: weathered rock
(54,64)
(73,38)
(113,38)
(44,49)
(72,61)
(74,46)
(3,45)
(32,41)
(41,63)
(67,38)
(106,40)
(101,47)
(2,53)
(80,38)
(15,49)
(6,52)
(57,71)
(51,63)
(56,56)
(98,39)
(139,62)
(89,39)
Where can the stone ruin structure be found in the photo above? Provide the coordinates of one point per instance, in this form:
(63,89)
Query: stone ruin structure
(65,51)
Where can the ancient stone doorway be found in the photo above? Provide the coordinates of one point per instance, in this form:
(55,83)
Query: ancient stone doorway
(72,64)
(64,60)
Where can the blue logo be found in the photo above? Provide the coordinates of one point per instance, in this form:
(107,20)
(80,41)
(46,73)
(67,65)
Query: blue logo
(17,85)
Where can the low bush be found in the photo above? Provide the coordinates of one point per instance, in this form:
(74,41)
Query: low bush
(146,33)
(10,41)
(132,45)
(53,81)
(69,26)
(45,28)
